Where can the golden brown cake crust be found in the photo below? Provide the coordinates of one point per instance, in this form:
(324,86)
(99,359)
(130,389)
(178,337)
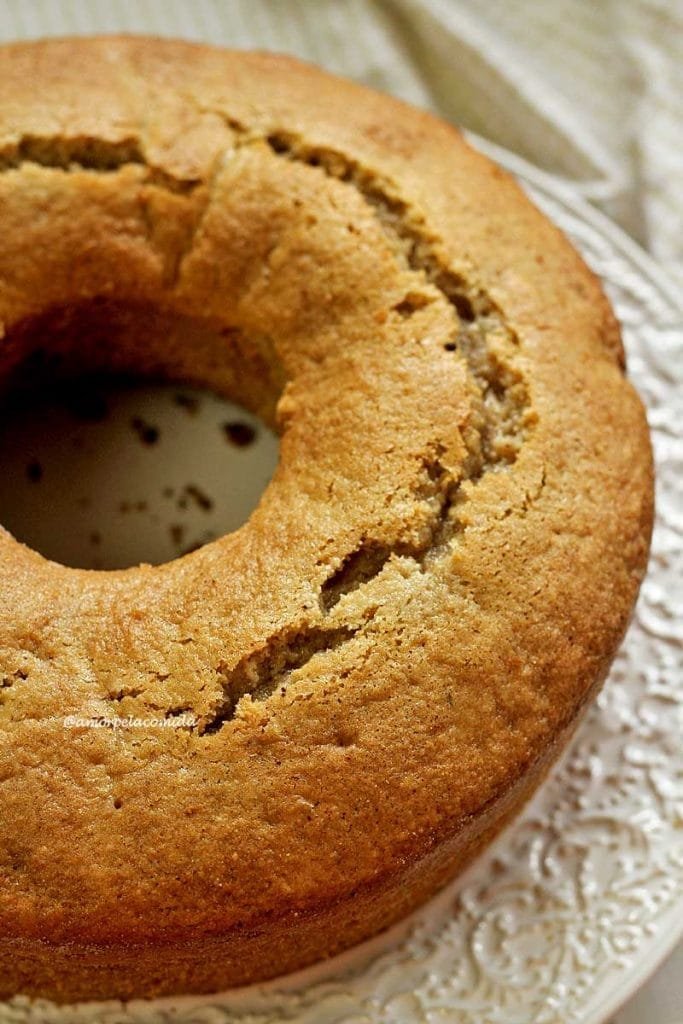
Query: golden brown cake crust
(387,655)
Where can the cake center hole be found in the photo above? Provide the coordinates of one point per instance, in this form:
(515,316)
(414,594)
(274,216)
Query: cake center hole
(103,470)
(105,474)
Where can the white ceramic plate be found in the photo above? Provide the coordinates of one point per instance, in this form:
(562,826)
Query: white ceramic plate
(580,899)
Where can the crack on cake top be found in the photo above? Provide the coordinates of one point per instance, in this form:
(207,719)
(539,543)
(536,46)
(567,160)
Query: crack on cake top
(89,153)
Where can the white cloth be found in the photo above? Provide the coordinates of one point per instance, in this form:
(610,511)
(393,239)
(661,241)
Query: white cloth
(589,90)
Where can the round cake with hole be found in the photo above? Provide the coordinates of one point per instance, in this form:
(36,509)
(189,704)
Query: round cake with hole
(376,670)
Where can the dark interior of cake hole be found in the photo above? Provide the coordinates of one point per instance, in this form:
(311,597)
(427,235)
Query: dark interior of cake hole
(130,434)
